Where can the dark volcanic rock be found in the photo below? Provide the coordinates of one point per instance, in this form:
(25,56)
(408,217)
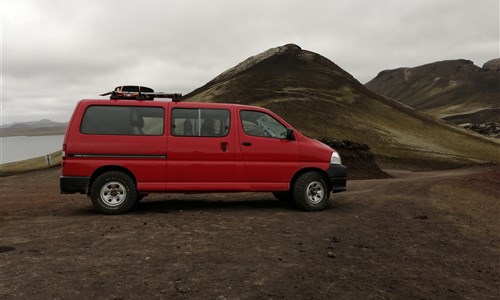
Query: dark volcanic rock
(357,157)
(491,129)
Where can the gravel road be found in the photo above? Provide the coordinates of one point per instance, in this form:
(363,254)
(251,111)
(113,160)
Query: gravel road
(430,235)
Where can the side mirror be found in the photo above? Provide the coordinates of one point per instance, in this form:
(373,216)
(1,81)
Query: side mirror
(289,134)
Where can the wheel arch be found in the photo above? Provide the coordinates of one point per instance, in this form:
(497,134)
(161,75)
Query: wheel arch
(323,174)
(101,170)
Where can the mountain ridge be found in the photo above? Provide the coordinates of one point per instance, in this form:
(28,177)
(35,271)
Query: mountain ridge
(444,89)
(32,128)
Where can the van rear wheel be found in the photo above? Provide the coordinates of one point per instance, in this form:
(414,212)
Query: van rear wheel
(113,193)
(310,192)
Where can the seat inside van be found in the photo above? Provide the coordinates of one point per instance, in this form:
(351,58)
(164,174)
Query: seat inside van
(136,123)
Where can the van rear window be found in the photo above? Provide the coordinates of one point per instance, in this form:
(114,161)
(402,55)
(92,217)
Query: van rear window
(123,120)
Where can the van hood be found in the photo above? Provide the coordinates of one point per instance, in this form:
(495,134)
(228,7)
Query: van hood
(323,145)
(313,150)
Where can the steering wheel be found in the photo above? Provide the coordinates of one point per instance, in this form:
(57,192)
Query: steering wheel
(266,129)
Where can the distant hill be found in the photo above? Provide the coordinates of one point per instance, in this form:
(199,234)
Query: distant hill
(42,127)
(456,90)
(322,100)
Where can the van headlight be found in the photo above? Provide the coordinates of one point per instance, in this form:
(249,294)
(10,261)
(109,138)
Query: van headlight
(335,158)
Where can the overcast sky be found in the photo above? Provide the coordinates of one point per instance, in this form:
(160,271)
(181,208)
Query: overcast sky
(55,52)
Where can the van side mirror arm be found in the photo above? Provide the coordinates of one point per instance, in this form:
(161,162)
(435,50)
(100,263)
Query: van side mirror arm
(289,134)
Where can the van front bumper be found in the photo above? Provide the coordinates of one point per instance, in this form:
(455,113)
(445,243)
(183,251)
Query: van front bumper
(73,184)
(338,177)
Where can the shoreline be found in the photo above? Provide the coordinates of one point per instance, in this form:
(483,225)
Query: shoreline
(12,132)
(31,164)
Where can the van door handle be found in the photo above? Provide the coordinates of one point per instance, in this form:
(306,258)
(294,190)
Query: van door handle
(246,144)
(223,146)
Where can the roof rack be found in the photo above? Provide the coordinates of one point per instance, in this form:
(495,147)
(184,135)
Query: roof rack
(174,96)
(137,92)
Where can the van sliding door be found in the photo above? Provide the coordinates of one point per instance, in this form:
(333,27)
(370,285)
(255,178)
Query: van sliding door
(200,150)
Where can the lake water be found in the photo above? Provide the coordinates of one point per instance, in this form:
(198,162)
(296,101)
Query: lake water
(15,148)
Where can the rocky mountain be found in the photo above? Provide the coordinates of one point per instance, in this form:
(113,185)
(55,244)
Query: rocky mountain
(456,90)
(282,72)
(322,100)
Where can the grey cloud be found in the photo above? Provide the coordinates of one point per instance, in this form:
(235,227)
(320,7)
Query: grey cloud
(56,52)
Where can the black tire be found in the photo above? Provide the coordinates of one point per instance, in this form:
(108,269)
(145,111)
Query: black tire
(284,197)
(310,192)
(113,193)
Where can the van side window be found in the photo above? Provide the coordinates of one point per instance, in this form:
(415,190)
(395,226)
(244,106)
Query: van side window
(123,120)
(200,122)
(260,124)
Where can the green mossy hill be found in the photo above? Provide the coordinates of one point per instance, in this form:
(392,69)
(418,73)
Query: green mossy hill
(321,99)
(445,89)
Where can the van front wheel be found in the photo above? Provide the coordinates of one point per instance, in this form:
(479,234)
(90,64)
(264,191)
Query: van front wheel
(113,193)
(310,192)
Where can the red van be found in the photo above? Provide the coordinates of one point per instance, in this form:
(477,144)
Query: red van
(118,151)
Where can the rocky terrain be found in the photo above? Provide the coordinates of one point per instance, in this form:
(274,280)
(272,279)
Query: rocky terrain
(478,117)
(491,129)
(357,157)
(456,90)
(321,99)
(431,235)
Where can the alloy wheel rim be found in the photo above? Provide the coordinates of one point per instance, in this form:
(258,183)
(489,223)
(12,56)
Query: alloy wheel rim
(315,192)
(113,193)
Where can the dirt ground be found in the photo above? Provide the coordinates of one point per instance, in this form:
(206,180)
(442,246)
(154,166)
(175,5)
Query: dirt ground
(431,235)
